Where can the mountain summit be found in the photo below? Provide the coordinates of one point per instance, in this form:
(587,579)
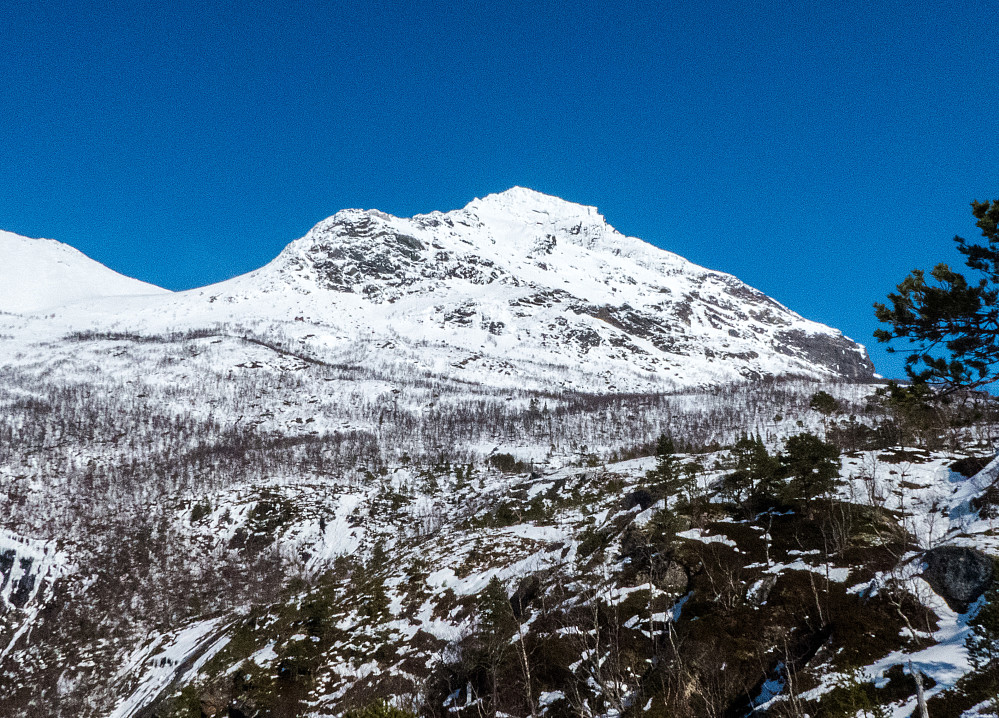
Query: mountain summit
(517,288)
(520,282)
(39,274)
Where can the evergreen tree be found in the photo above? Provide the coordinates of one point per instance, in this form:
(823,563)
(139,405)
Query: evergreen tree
(812,466)
(951,323)
(668,473)
(853,697)
(915,412)
(496,620)
(379,556)
(824,403)
(496,626)
(756,471)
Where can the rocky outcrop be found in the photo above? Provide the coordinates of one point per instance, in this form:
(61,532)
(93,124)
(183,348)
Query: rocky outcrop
(958,574)
(836,352)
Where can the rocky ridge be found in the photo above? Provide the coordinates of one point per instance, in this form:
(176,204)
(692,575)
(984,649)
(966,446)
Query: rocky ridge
(516,288)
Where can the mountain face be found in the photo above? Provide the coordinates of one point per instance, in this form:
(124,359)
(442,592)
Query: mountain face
(40,274)
(532,277)
(517,287)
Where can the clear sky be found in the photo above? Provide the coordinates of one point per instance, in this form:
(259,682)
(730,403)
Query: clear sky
(818,151)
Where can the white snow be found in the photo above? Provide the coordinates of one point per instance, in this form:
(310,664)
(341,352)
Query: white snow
(704,537)
(189,650)
(40,274)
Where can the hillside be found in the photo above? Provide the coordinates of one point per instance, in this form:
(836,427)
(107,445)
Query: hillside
(41,274)
(159,561)
(498,461)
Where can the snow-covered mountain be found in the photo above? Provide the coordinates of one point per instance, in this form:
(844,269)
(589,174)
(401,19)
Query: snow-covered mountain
(516,287)
(411,460)
(39,274)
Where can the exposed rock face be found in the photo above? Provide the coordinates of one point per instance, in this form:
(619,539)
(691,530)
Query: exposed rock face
(971,465)
(525,594)
(22,589)
(958,574)
(825,350)
(639,497)
(759,592)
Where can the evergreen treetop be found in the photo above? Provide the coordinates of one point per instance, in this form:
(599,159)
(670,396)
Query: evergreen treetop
(950,322)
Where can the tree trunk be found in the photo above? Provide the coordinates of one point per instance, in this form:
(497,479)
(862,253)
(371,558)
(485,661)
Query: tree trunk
(920,698)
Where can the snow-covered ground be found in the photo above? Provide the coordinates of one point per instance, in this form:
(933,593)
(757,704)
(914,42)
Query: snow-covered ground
(38,275)
(335,454)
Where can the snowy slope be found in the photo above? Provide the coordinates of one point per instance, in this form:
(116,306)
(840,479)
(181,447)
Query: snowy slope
(516,287)
(40,274)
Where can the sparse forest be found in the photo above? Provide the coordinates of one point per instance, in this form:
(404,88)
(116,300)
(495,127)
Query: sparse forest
(299,507)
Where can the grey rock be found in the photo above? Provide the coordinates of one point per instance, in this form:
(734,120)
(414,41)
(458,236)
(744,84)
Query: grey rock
(674,579)
(639,497)
(528,590)
(21,591)
(958,574)
(6,564)
(838,353)
(759,592)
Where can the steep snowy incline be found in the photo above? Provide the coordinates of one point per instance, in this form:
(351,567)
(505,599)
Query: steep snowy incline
(526,279)
(40,274)
(515,287)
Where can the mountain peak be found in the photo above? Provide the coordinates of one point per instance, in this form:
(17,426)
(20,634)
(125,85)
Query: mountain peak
(527,204)
(518,194)
(523,276)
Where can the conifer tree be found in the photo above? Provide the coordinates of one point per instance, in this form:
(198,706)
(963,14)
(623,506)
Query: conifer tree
(496,619)
(668,473)
(951,323)
(812,466)
(756,471)
(496,626)
(826,404)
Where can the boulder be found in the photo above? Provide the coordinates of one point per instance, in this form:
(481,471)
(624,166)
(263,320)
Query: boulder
(674,579)
(639,497)
(212,704)
(526,592)
(958,574)
(759,592)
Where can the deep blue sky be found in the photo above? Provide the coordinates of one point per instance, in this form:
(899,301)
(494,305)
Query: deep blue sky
(817,151)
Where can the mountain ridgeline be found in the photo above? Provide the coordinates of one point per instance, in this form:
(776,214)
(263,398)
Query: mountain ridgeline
(516,284)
